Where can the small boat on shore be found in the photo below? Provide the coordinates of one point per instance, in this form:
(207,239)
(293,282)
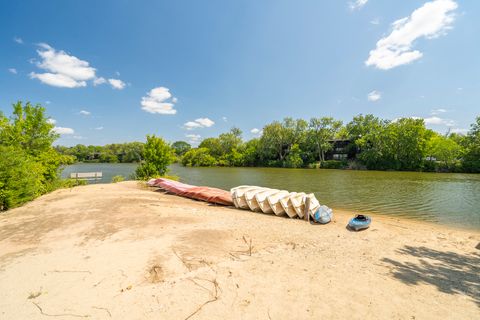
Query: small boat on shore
(359,222)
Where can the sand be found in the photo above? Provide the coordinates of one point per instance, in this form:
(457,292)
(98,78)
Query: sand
(122,251)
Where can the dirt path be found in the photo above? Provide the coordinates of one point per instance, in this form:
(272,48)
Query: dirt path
(119,251)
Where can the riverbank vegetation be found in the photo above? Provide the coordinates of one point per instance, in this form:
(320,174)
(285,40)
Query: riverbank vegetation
(29,165)
(365,142)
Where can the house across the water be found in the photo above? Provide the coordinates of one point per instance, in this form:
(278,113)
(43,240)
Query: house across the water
(342,149)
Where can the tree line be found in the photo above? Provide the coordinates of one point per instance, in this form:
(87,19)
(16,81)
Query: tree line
(370,143)
(378,144)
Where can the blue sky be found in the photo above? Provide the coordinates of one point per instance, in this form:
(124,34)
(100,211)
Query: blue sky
(114,71)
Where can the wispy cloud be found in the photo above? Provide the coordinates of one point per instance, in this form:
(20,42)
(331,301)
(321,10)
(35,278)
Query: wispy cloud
(434,120)
(374,96)
(85,113)
(198,123)
(357,4)
(193,138)
(225,119)
(156,101)
(12,70)
(459,130)
(256,131)
(63,130)
(429,21)
(375,21)
(99,128)
(99,81)
(18,40)
(116,84)
(434,112)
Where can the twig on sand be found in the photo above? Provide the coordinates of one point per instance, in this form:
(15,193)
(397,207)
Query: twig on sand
(80,271)
(105,309)
(249,244)
(183,261)
(60,314)
(215,298)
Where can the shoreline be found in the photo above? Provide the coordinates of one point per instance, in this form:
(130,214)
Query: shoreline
(125,251)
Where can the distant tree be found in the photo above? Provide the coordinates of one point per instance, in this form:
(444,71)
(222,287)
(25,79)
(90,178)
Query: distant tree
(320,132)
(198,157)
(158,155)
(181,147)
(279,137)
(443,149)
(471,159)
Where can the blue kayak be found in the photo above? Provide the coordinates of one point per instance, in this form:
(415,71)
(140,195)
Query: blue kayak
(360,222)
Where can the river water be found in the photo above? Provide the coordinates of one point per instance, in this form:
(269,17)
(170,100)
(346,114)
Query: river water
(446,198)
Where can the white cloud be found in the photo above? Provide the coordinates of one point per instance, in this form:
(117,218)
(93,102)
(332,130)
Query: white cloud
(12,70)
(65,71)
(375,21)
(193,138)
(51,121)
(459,131)
(429,21)
(98,81)
(117,73)
(434,120)
(57,80)
(224,119)
(78,137)
(198,123)
(99,128)
(256,131)
(116,84)
(18,40)
(156,101)
(374,96)
(85,113)
(174,100)
(437,111)
(62,130)
(357,4)
(47,102)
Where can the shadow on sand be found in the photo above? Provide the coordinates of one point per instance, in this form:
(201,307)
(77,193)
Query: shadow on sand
(450,272)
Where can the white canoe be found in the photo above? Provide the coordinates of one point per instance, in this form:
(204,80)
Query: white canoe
(274,202)
(238,196)
(288,205)
(262,201)
(298,204)
(250,198)
(314,204)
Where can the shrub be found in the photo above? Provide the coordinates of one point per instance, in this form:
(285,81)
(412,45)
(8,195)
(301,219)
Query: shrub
(118,178)
(333,164)
(158,155)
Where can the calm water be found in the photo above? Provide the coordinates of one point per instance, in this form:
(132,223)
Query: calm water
(442,198)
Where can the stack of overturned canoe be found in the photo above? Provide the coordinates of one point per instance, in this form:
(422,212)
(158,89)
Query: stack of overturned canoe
(208,194)
(280,202)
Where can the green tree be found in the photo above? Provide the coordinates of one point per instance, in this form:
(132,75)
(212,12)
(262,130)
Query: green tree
(279,137)
(181,147)
(471,159)
(320,132)
(198,157)
(293,159)
(158,155)
(443,149)
(28,157)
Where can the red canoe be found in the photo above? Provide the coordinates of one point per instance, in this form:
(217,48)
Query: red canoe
(208,194)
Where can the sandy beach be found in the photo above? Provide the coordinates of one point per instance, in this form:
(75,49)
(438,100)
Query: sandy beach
(123,251)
